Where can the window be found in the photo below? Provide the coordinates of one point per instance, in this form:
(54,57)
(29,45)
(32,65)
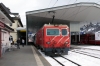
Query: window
(52,31)
(64,31)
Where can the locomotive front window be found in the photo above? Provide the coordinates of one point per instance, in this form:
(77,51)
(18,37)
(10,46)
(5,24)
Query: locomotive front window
(52,31)
(64,32)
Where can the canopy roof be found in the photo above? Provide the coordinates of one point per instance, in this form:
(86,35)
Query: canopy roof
(78,12)
(21,28)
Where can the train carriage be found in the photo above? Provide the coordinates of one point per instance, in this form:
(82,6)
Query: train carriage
(53,39)
(90,39)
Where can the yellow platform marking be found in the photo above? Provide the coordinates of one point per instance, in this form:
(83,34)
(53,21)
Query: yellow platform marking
(39,63)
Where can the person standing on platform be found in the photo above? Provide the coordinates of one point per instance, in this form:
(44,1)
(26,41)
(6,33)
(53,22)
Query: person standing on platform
(11,40)
(18,43)
(23,42)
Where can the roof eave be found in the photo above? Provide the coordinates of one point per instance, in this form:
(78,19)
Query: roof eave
(6,11)
(17,18)
(61,7)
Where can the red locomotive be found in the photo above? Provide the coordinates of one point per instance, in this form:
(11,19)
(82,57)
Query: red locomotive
(53,39)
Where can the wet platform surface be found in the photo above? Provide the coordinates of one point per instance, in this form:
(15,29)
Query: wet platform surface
(23,57)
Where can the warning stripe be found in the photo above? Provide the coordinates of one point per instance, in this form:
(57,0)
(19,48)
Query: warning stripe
(39,63)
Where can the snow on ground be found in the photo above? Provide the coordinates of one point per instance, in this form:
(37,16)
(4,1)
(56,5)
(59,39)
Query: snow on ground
(55,63)
(97,53)
(88,46)
(92,47)
(83,59)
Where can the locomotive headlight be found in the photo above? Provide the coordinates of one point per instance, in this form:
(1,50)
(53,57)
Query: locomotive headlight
(66,42)
(48,42)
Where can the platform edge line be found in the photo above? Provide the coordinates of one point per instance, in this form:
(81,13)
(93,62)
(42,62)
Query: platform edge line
(38,61)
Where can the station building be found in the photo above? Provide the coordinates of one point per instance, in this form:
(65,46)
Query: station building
(5,30)
(17,23)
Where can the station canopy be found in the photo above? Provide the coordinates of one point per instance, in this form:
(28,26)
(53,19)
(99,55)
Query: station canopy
(21,29)
(78,12)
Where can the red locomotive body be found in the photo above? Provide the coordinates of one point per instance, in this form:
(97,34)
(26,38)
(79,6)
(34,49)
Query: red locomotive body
(53,39)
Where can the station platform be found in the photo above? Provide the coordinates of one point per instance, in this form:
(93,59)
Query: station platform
(25,56)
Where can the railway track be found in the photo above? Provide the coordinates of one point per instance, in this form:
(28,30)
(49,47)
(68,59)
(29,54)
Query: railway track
(86,53)
(73,59)
(90,49)
(95,53)
(85,48)
(65,61)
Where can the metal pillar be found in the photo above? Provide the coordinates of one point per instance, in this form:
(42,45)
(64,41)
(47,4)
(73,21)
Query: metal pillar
(0,42)
(75,37)
(79,36)
(26,30)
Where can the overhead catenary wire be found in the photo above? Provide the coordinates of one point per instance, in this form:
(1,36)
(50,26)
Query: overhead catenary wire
(73,11)
(77,12)
(66,10)
(55,3)
(48,6)
(47,12)
(52,6)
(49,3)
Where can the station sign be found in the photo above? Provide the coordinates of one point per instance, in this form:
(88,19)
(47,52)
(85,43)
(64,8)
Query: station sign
(97,36)
(2,25)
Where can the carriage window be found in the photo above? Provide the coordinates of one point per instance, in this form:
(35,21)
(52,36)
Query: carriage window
(52,31)
(64,32)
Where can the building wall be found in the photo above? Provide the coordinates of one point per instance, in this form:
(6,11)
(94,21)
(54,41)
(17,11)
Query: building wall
(14,26)
(14,34)
(5,37)
(74,26)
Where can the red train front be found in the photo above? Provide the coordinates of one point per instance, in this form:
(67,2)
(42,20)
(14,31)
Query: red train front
(53,39)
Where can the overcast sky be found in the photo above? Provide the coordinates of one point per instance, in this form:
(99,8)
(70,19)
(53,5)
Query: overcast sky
(22,6)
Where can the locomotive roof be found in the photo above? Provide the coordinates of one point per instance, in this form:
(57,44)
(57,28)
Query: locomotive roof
(54,25)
